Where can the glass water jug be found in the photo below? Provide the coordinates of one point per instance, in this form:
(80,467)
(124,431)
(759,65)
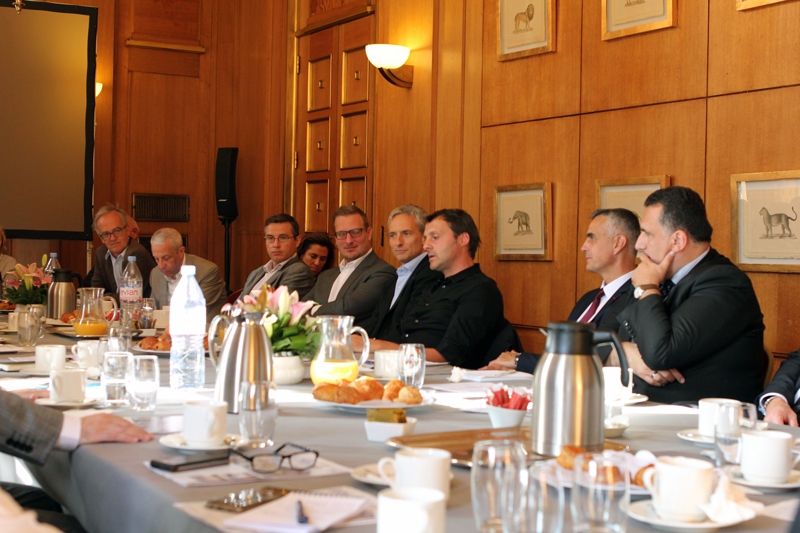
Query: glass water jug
(335,359)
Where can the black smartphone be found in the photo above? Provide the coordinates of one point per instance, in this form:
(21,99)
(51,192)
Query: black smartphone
(191,462)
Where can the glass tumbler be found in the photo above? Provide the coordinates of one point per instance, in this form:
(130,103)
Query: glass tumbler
(731,419)
(148,308)
(600,493)
(258,414)
(493,461)
(113,377)
(119,339)
(533,499)
(28,326)
(412,364)
(142,381)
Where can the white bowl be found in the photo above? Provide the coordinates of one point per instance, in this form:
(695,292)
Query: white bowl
(505,418)
(381,431)
(616,426)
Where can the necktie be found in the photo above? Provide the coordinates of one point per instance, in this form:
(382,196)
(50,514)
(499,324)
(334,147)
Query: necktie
(589,314)
(665,287)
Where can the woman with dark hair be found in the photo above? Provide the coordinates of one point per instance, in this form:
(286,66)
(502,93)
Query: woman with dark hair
(316,251)
(6,261)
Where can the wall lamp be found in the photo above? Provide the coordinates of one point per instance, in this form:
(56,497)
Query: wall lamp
(97,88)
(390,60)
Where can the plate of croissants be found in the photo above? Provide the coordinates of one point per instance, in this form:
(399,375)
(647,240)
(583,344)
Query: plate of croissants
(368,393)
(159,345)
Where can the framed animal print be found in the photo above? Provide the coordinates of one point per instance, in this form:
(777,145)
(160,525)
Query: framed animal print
(764,207)
(525,27)
(523,222)
(621,18)
(629,193)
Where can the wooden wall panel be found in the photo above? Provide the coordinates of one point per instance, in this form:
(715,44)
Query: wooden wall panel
(755,132)
(753,49)
(403,148)
(658,66)
(647,141)
(534,292)
(176,21)
(532,87)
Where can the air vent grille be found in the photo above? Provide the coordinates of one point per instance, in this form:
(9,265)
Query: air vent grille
(160,207)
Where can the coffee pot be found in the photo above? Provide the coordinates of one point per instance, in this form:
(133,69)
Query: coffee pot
(245,355)
(568,388)
(61,293)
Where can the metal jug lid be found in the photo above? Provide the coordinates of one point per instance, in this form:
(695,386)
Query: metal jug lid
(573,338)
(62,274)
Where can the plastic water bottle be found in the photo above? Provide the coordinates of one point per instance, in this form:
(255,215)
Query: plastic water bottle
(130,294)
(187,324)
(52,265)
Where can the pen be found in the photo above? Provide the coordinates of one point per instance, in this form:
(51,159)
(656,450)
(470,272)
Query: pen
(301,517)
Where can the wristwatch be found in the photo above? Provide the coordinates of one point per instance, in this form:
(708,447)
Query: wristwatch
(638,291)
(516,360)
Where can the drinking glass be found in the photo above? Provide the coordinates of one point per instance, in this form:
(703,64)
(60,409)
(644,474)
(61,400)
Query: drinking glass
(412,364)
(534,499)
(142,381)
(257,414)
(28,327)
(731,419)
(600,493)
(148,308)
(492,462)
(119,339)
(115,370)
(40,310)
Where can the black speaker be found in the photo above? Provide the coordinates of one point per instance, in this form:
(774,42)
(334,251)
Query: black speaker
(226,182)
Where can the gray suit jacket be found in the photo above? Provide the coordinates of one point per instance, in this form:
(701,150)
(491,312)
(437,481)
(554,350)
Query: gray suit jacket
(104,271)
(295,275)
(27,430)
(208,277)
(360,294)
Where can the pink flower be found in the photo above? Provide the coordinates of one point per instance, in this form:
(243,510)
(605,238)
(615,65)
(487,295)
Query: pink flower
(299,309)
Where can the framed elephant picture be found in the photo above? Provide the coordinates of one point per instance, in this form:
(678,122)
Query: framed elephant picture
(524,222)
(764,225)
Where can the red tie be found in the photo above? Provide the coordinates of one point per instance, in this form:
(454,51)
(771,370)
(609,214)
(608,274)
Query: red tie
(589,314)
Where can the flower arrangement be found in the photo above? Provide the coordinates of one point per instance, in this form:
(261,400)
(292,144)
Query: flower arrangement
(288,325)
(26,285)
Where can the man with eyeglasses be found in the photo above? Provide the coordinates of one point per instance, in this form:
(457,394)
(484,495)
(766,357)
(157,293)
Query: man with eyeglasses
(110,259)
(281,237)
(362,278)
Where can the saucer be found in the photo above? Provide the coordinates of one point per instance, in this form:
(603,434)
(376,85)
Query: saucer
(692,435)
(86,403)
(736,476)
(176,442)
(643,511)
(31,370)
(369,474)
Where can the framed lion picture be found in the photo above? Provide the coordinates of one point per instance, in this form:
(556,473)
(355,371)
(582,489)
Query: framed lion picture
(525,27)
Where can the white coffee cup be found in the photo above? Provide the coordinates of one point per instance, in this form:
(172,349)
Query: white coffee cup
(68,385)
(50,357)
(204,423)
(161,316)
(411,511)
(387,364)
(709,410)
(613,388)
(86,353)
(767,456)
(679,486)
(418,468)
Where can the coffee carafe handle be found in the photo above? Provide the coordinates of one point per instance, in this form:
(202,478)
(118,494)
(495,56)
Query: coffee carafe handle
(213,348)
(610,337)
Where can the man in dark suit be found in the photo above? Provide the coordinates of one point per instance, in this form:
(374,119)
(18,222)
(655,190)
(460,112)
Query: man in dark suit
(694,328)
(780,401)
(32,432)
(610,251)
(110,259)
(356,287)
(406,225)
(170,256)
(282,237)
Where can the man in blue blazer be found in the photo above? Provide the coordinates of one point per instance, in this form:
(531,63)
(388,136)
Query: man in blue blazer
(356,287)
(610,252)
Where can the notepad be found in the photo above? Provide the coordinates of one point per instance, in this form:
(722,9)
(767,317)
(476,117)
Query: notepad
(280,516)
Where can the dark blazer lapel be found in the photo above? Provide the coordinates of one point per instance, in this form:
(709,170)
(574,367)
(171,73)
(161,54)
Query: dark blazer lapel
(368,261)
(582,305)
(684,285)
(611,303)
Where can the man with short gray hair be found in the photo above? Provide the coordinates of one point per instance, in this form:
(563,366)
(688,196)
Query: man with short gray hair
(170,254)
(112,225)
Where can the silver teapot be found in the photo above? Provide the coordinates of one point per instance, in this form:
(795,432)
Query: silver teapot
(61,297)
(245,355)
(568,388)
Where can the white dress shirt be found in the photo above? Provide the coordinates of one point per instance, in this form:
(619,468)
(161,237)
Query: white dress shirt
(269,270)
(609,291)
(346,269)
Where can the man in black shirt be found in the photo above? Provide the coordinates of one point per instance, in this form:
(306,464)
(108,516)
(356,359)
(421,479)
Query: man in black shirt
(457,319)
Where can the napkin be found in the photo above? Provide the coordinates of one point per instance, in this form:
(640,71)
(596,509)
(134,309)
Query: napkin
(728,504)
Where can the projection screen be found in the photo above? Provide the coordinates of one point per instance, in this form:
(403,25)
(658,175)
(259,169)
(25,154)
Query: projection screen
(47,94)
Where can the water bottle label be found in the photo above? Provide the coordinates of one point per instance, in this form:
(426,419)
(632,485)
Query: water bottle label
(129,294)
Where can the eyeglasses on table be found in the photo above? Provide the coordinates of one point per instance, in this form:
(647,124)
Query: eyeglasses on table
(299,458)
